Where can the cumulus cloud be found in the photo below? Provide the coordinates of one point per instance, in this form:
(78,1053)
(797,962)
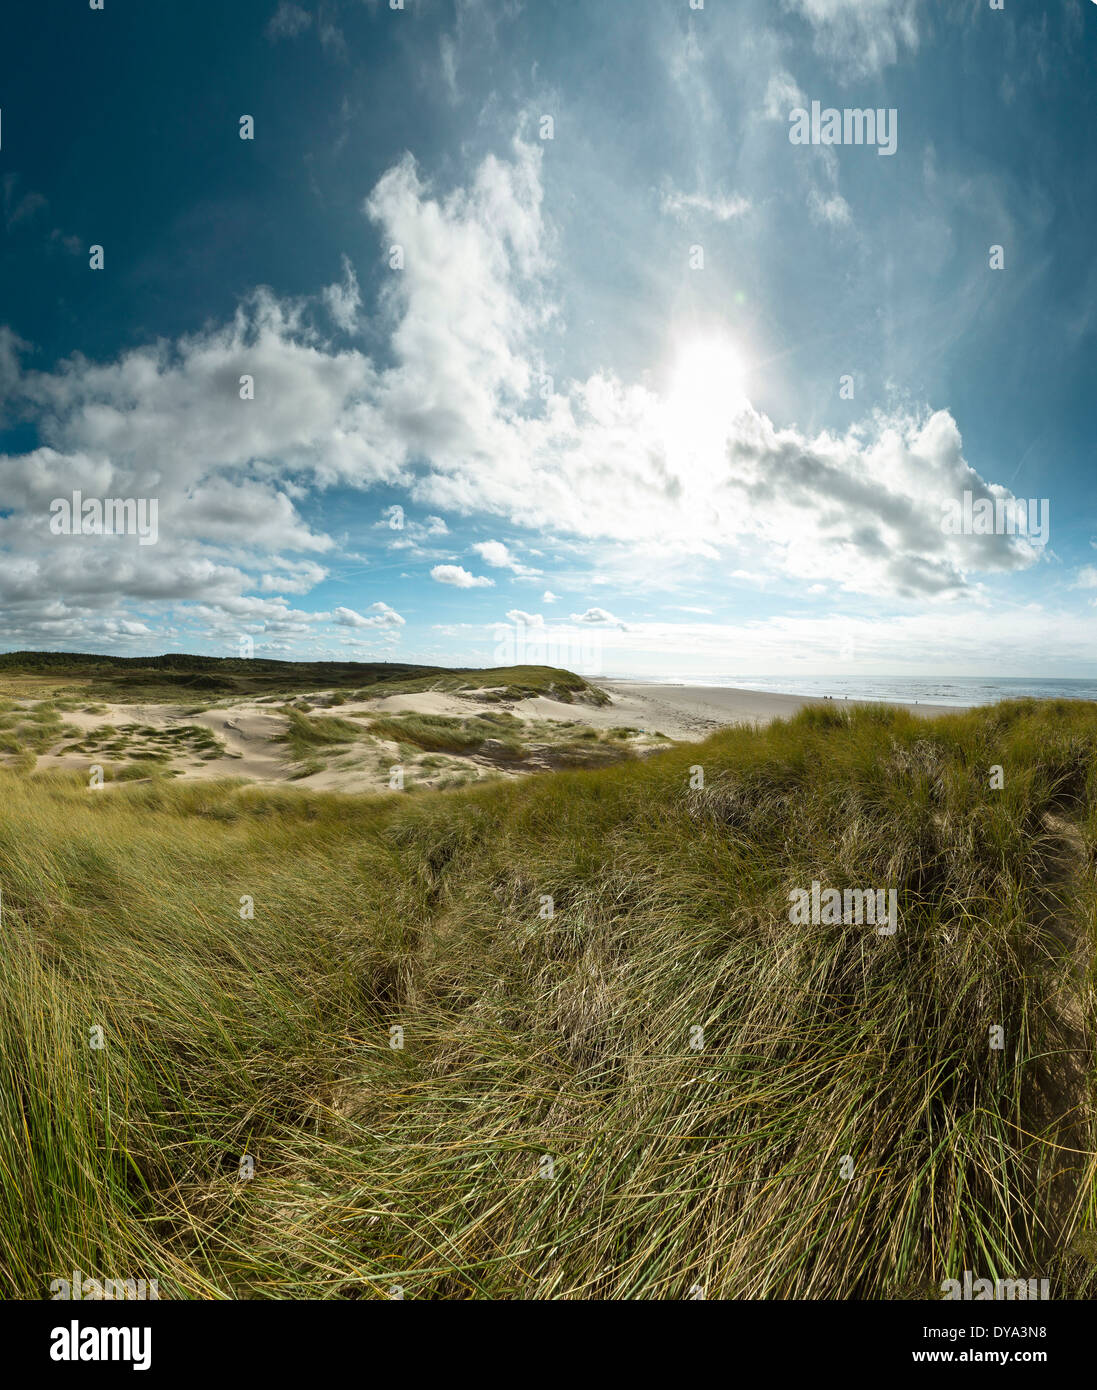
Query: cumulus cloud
(453,420)
(599,616)
(460,578)
(516,615)
(383,616)
(172,422)
(496,554)
(605,459)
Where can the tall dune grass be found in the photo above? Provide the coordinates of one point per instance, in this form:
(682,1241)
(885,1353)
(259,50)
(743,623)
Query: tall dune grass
(549,1128)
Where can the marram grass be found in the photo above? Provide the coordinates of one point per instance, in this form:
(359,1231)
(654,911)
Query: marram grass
(555,1125)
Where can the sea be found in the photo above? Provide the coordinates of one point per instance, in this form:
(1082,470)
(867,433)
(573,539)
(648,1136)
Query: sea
(955,690)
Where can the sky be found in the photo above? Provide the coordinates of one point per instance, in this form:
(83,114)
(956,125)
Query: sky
(535,331)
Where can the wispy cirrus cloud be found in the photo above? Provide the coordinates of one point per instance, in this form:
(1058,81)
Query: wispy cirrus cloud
(859,37)
(721,208)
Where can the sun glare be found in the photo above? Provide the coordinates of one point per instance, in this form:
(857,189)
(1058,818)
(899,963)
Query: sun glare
(707,391)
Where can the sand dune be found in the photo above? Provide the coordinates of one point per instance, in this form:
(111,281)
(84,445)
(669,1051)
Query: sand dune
(250,735)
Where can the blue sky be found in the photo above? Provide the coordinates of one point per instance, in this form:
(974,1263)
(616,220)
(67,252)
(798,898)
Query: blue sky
(600,378)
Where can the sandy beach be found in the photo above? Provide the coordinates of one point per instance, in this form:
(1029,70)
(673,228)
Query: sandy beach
(695,711)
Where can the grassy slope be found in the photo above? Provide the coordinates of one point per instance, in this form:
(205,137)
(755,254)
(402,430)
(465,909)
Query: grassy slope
(568,1036)
(180,676)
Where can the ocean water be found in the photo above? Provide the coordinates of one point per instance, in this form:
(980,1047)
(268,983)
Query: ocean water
(960,690)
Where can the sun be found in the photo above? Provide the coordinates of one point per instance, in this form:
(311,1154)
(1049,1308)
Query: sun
(707,391)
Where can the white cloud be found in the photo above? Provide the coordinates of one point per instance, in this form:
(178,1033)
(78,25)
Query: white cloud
(292,576)
(447,55)
(384,616)
(167,422)
(331,36)
(515,615)
(413,536)
(859,37)
(606,459)
(344,300)
(548,596)
(496,554)
(829,210)
(721,208)
(782,96)
(20,208)
(287,21)
(460,578)
(453,421)
(493,553)
(598,616)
